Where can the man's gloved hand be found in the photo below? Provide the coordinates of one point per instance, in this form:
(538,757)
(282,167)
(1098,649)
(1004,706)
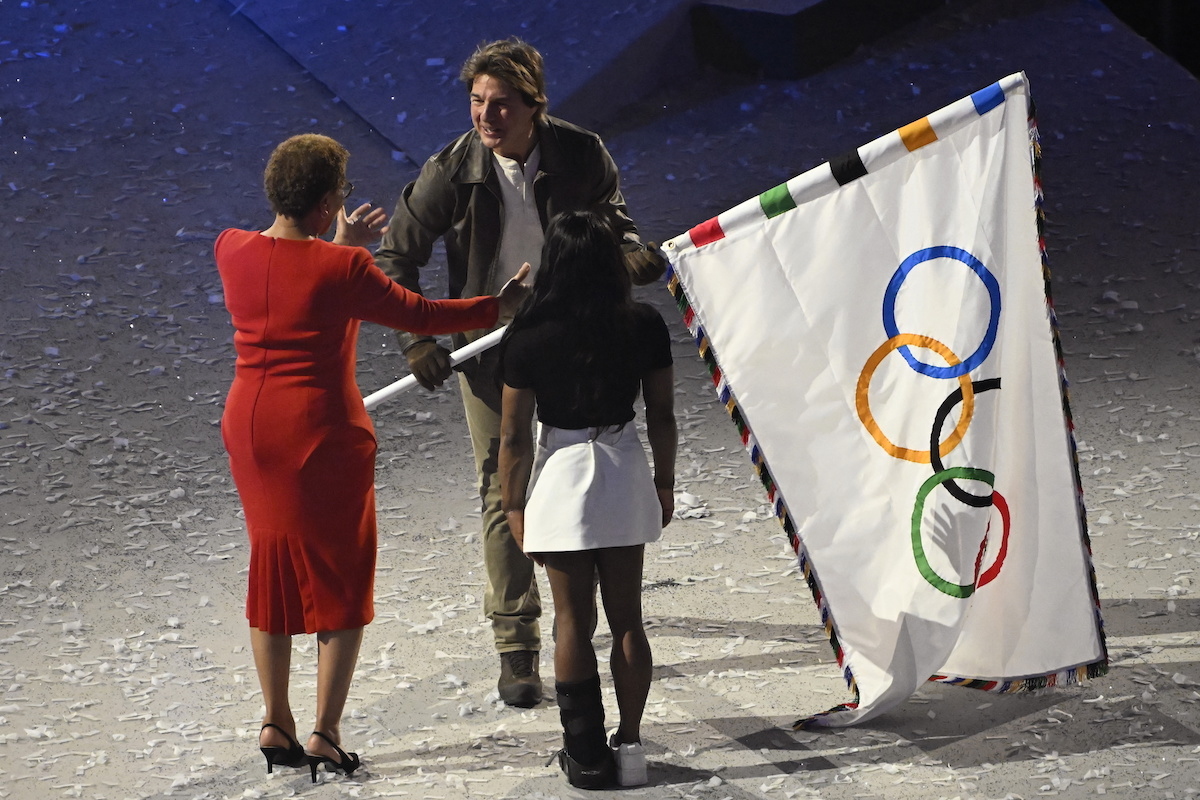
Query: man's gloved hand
(646,265)
(429,362)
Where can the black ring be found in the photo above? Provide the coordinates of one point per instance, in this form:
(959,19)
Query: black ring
(935,436)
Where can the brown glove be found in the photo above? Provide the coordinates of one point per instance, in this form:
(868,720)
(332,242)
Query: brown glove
(429,362)
(646,265)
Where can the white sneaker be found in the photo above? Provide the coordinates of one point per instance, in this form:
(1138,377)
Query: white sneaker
(631,763)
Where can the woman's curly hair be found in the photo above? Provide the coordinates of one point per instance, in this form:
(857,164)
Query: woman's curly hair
(301,171)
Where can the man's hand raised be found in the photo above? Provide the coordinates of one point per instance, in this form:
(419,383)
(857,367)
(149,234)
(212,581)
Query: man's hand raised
(513,293)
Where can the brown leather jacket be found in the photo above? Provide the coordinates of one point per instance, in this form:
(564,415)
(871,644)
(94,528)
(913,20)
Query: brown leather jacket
(457,197)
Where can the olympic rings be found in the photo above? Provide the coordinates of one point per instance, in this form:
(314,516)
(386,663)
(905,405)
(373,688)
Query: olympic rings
(989,337)
(959,590)
(862,401)
(960,370)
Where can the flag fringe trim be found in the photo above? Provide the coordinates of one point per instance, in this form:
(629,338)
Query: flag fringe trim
(1100,666)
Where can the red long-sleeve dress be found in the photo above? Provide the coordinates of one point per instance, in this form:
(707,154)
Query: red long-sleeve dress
(301,446)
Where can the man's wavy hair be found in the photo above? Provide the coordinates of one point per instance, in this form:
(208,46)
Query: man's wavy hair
(302,170)
(516,63)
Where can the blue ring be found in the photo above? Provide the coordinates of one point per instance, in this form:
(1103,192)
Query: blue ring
(989,336)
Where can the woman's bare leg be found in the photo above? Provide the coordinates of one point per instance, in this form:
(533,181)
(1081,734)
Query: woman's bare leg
(632,663)
(571,582)
(272,662)
(337,655)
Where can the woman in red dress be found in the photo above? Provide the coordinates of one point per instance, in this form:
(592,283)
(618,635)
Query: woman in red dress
(301,446)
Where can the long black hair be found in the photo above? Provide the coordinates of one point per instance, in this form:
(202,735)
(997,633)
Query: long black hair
(583,285)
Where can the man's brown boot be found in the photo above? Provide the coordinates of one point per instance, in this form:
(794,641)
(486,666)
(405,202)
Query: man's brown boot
(519,684)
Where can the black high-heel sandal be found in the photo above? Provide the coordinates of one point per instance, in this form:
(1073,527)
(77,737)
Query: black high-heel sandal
(291,756)
(348,763)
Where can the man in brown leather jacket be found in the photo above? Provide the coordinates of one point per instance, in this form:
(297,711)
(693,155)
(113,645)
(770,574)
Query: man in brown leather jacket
(488,195)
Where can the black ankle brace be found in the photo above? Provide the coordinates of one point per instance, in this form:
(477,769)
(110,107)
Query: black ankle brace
(581,710)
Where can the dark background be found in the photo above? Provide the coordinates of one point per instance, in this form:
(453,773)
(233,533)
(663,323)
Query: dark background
(1173,26)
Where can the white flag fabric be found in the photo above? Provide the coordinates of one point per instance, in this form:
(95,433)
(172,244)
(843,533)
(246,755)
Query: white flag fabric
(880,330)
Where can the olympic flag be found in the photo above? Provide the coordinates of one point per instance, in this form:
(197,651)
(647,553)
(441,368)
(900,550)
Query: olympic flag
(879,329)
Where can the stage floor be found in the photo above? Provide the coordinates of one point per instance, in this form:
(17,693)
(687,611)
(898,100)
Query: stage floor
(132,135)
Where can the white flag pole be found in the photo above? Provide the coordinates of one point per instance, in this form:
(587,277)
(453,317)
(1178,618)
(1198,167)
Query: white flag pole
(460,355)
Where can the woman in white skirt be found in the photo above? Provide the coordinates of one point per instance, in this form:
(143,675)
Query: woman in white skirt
(585,502)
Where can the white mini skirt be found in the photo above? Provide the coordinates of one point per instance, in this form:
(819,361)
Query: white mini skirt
(590,488)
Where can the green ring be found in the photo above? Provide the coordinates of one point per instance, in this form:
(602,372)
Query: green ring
(959,590)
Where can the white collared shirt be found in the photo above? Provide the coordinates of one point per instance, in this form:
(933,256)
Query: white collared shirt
(522,236)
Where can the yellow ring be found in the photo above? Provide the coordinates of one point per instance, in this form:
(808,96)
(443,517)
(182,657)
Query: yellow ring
(862,401)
